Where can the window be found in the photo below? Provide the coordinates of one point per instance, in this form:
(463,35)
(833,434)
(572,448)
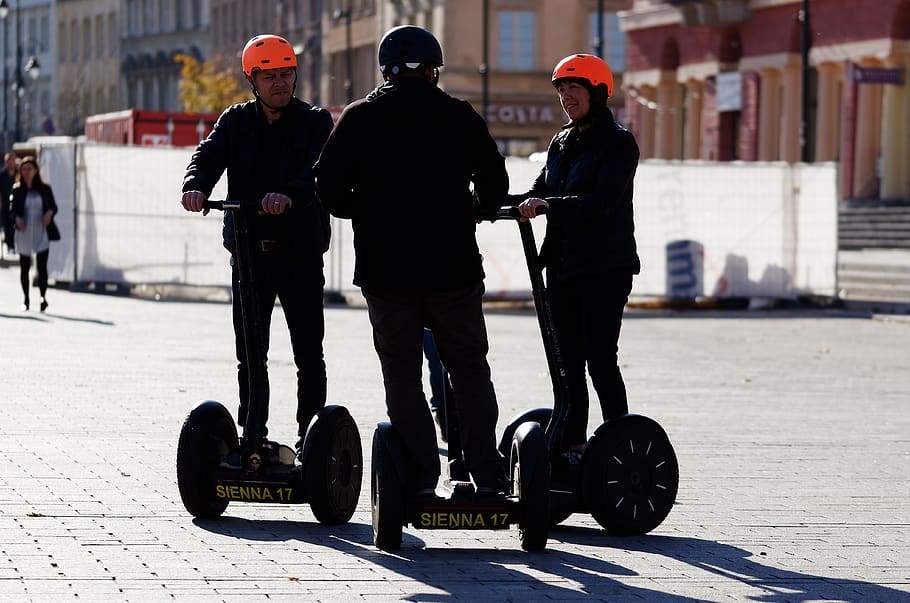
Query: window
(62,42)
(31,43)
(44,33)
(112,34)
(86,39)
(99,37)
(132,17)
(113,100)
(517,37)
(164,10)
(74,41)
(614,42)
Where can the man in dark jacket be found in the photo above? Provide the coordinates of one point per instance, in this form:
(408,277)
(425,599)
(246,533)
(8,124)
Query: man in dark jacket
(268,147)
(399,164)
(7,180)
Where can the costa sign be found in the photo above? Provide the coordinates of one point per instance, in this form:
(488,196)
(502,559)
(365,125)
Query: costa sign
(521,114)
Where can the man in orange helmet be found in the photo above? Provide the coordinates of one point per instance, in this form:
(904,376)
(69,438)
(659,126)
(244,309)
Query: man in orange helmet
(268,147)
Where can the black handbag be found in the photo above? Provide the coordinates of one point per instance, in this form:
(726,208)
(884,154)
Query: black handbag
(53,233)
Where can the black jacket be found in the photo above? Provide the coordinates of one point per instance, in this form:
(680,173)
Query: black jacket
(399,164)
(587,182)
(17,209)
(262,158)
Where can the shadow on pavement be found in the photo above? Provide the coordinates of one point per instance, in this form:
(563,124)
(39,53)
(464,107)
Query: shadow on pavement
(96,321)
(23,316)
(733,563)
(461,573)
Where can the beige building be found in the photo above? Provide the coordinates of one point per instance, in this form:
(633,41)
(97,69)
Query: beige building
(526,39)
(88,61)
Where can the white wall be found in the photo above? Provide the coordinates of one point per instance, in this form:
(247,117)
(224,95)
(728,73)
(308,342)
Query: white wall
(756,230)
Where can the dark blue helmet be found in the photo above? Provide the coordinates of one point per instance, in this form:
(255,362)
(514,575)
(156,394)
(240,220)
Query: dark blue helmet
(408,47)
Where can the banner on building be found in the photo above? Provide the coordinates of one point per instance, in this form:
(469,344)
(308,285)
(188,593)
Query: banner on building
(729,91)
(878,75)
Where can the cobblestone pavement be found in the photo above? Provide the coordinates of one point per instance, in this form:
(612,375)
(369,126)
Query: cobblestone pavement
(792,430)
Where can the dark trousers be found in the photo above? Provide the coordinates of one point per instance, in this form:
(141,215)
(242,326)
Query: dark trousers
(456,319)
(25,265)
(437,376)
(588,317)
(299,287)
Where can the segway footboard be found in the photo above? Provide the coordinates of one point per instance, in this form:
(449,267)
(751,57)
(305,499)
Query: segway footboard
(266,485)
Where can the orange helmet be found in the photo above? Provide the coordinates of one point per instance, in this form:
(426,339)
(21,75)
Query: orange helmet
(586,67)
(267,52)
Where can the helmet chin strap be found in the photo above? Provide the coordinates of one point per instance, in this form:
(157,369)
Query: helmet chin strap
(265,104)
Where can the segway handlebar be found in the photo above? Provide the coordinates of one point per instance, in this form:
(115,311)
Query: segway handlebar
(225,205)
(512,213)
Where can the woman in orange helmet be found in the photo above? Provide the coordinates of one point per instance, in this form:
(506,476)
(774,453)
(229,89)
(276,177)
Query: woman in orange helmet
(589,249)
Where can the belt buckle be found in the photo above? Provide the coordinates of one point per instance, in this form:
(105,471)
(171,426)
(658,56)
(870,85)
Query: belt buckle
(269,246)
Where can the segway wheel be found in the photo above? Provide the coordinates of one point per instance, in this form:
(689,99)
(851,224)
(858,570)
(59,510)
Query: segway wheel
(207,437)
(333,465)
(630,475)
(531,483)
(386,497)
(542,417)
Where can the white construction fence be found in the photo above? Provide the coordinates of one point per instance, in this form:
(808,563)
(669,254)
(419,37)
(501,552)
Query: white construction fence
(703,229)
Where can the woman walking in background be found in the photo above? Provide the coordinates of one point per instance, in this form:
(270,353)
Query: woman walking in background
(33,209)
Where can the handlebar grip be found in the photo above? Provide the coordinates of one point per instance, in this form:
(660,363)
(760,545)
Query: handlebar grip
(209,205)
(511,213)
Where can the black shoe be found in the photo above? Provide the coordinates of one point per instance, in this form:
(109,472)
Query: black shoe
(43,304)
(426,496)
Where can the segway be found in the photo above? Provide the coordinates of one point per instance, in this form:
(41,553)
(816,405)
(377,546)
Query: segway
(460,507)
(628,475)
(214,467)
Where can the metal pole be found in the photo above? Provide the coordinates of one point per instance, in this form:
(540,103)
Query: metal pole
(76,147)
(5,81)
(599,41)
(485,64)
(18,72)
(805,44)
(349,84)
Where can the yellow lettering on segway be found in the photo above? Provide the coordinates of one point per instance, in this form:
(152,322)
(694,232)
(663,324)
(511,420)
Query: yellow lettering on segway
(461,519)
(253,493)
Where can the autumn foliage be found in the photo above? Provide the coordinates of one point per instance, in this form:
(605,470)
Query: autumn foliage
(208,87)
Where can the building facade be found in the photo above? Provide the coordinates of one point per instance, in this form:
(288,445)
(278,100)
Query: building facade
(526,39)
(30,23)
(153,33)
(88,61)
(299,21)
(722,80)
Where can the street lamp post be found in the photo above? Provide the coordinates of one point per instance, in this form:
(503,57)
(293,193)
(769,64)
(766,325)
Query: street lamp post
(345,14)
(599,40)
(485,60)
(19,89)
(31,67)
(805,46)
(4,13)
